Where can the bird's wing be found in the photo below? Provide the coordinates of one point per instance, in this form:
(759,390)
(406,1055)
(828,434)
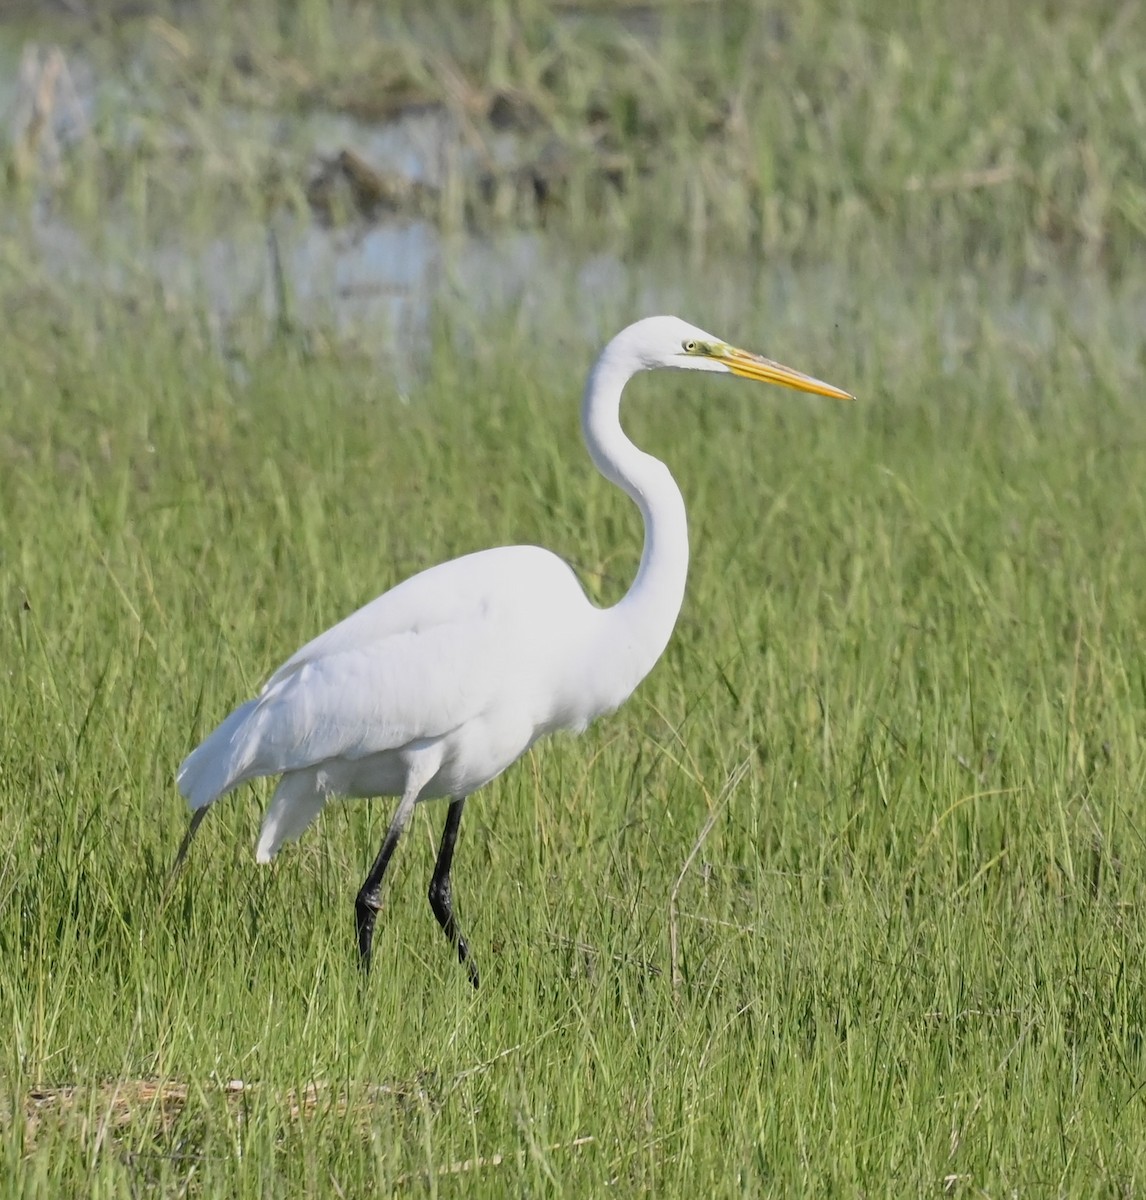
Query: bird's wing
(420,661)
(382,696)
(356,700)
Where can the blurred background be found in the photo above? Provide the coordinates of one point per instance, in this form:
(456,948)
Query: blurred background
(351,168)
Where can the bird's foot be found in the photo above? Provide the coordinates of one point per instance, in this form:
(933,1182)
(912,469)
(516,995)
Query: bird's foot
(366,908)
(464,957)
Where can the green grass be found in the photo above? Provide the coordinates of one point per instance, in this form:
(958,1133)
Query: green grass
(848,898)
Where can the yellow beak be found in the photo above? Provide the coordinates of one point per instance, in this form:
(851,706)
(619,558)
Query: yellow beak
(754,366)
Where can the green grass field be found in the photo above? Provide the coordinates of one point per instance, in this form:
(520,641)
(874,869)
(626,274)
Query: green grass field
(847,899)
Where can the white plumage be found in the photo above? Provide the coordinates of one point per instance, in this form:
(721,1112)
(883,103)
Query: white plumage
(453,667)
(437,686)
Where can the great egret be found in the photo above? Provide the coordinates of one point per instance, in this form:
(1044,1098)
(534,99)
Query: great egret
(437,686)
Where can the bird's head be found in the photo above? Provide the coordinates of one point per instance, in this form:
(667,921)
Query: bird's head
(671,342)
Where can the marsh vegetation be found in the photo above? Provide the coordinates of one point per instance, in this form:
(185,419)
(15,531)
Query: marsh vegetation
(847,899)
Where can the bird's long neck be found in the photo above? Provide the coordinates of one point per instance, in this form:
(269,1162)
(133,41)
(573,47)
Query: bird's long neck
(638,628)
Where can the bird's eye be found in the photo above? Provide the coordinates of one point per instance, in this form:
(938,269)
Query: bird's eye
(690,347)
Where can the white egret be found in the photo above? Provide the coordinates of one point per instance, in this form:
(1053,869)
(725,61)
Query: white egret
(437,686)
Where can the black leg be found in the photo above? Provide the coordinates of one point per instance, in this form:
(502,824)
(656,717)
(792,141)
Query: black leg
(196,820)
(185,845)
(441,899)
(369,899)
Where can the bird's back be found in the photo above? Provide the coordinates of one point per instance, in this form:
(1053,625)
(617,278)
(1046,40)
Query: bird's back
(458,592)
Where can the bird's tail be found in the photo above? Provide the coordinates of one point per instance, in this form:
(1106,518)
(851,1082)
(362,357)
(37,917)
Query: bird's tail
(217,764)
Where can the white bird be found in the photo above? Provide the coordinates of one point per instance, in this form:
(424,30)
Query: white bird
(438,685)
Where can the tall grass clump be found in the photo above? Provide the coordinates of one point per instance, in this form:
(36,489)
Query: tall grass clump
(846,899)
